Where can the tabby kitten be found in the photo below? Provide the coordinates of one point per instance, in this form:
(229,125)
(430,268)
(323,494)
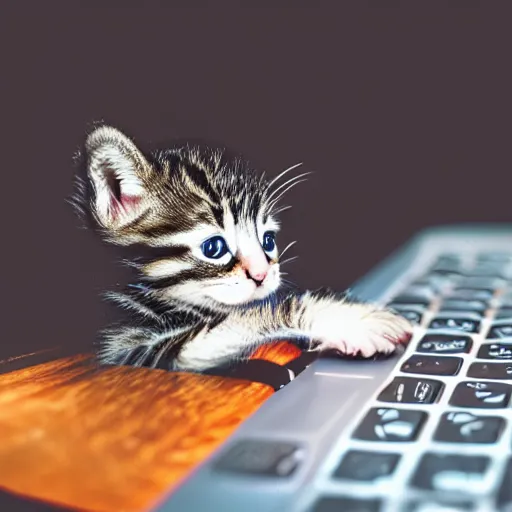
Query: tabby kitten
(210,286)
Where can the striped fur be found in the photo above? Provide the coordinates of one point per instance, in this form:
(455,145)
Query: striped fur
(189,311)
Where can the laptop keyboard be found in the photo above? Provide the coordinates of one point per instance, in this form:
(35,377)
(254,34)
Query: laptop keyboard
(438,435)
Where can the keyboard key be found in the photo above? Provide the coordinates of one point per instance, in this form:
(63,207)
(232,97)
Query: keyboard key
(454,323)
(500,331)
(503,313)
(345,504)
(395,425)
(481,283)
(432,365)
(488,271)
(482,395)
(408,390)
(498,257)
(469,306)
(455,473)
(471,294)
(408,299)
(261,457)
(486,262)
(504,498)
(432,505)
(446,273)
(366,466)
(500,371)
(446,266)
(502,351)
(434,283)
(463,427)
(444,344)
(424,290)
(447,311)
(413,312)
(414,317)
(449,257)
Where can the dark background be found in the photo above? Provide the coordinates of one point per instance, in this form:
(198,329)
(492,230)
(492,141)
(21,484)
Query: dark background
(402,110)
(402,114)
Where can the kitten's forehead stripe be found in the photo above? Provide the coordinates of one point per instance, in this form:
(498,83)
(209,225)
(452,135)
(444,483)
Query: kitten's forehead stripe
(219,216)
(192,237)
(206,182)
(200,178)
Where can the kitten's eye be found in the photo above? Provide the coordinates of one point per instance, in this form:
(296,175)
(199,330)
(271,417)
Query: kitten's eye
(269,241)
(215,247)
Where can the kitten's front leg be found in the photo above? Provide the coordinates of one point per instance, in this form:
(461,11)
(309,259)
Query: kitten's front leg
(316,320)
(351,328)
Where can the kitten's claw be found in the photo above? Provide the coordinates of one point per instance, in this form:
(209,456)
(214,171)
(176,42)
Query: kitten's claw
(359,329)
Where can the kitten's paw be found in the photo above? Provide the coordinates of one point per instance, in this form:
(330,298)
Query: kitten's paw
(360,329)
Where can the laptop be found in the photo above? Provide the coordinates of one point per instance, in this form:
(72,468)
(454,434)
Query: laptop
(427,429)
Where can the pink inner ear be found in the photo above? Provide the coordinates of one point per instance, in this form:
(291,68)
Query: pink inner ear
(129,202)
(120,201)
(122,204)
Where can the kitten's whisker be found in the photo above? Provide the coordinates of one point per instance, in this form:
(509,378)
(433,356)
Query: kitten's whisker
(291,244)
(283,173)
(284,208)
(287,182)
(276,199)
(131,264)
(285,282)
(293,258)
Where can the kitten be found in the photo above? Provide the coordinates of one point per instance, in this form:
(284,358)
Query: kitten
(210,288)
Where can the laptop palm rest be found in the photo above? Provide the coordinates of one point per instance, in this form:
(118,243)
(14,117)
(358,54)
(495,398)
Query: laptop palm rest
(299,418)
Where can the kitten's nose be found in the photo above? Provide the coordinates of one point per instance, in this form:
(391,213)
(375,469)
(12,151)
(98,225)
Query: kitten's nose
(257,277)
(255,265)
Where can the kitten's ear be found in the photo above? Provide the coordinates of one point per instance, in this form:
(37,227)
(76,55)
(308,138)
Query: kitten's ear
(117,171)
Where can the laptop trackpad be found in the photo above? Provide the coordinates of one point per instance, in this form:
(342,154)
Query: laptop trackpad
(312,404)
